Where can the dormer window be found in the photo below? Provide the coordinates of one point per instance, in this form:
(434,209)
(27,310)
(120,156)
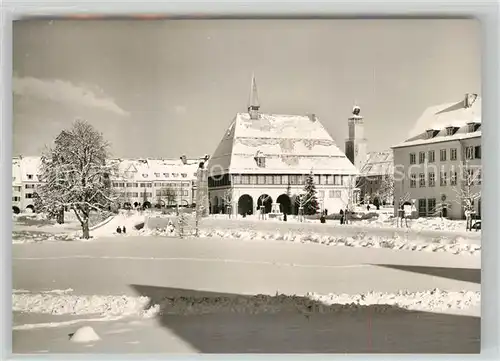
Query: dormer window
(30,176)
(260,159)
(157,175)
(184,175)
(472,127)
(144,175)
(451,130)
(175,174)
(431,133)
(166,175)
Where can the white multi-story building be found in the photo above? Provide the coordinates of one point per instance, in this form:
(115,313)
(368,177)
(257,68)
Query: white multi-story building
(155,181)
(264,159)
(440,158)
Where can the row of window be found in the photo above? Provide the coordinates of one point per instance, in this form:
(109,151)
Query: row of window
(285,179)
(471,152)
(159,193)
(149,185)
(426,207)
(473,178)
(16,199)
(165,175)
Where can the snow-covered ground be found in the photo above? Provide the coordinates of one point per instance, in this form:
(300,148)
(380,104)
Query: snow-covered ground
(191,287)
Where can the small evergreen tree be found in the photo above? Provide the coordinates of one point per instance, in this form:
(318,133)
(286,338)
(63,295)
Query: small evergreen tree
(311,207)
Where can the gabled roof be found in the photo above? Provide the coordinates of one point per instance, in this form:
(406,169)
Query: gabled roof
(455,116)
(378,163)
(289,144)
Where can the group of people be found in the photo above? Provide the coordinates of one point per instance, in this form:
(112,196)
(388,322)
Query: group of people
(343,216)
(120,230)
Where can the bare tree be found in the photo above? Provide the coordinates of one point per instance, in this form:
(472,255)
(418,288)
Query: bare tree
(467,190)
(302,200)
(227,200)
(386,190)
(76,174)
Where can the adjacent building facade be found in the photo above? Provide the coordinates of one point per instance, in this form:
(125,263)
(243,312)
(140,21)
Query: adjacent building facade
(264,158)
(155,181)
(376,179)
(441,160)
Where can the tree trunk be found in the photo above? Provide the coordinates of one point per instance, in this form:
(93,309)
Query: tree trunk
(60,216)
(85,229)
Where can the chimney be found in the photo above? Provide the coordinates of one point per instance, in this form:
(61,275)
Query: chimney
(470,98)
(184,159)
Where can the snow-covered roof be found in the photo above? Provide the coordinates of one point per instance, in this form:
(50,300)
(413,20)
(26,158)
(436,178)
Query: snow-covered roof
(134,170)
(448,114)
(288,143)
(378,163)
(432,126)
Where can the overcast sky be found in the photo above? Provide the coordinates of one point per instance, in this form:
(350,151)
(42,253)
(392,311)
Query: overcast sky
(172,87)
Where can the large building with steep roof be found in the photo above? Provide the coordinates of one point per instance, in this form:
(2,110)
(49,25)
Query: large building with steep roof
(264,159)
(441,159)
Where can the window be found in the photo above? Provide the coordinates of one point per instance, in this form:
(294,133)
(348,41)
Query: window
(453,154)
(130,185)
(166,175)
(149,194)
(317,179)
(16,199)
(277,179)
(245,179)
(442,179)
(30,176)
(453,178)
(413,158)
(184,175)
(144,175)
(284,179)
(175,175)
(149,185)
(236,179)
(253,179)
(469,152)
(338,194)
(330,179)
(300,179)
(337,180)
(13,179)
(261,179)
(431,206)
(29,186)
(28,195)
(421,180)
(432,179)
(322,194)
(478,177)
(432,156)
(450,130)
(421,157)
(187,184)
(142,185)
(136,185)
(331,193)
(323,179)
(477,152)
(17,188)
(269,179)
(344,179)
(422,211)
(442,155)
(185,193)
(413,181)
(157,175)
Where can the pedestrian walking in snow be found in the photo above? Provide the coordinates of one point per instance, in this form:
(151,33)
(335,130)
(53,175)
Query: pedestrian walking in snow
(284,217)
(124,230)
(118,230)
(341,216)
(345,215)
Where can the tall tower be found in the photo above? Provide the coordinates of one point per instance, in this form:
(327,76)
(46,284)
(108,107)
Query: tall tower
(253,101)
(355,145)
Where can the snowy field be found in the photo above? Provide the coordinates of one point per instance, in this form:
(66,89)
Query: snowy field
(245,286)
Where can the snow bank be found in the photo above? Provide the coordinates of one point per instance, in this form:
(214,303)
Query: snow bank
(360,240)
(432,300)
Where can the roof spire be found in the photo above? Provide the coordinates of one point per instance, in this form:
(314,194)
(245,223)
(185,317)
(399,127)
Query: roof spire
(253,101)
